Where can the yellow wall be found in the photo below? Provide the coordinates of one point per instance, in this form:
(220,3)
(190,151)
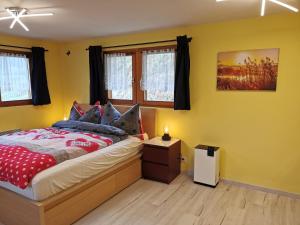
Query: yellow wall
(25,117)
(258,131)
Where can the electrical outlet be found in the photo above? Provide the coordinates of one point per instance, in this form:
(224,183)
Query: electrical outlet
(184,159)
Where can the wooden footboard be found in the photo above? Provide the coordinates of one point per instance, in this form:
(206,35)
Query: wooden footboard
(70,205)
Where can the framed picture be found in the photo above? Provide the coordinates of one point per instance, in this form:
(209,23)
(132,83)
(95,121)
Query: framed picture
(248,70)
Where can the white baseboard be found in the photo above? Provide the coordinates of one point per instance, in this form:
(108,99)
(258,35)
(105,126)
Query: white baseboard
(258,188)
(190,173)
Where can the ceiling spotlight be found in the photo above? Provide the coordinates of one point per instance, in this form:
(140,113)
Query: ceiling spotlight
(16,13)
(294,9)
(278,2)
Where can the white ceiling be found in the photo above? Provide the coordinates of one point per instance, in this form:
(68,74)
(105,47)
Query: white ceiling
(76,19)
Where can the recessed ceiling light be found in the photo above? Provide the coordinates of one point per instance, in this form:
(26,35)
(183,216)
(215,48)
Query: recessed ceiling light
(264,2)
(16,13)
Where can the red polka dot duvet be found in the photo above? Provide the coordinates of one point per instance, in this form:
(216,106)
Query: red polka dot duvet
(26,153)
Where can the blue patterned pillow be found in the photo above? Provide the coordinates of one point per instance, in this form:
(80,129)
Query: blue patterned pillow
(130,121)
(92,116)
(110,114)
(76,112)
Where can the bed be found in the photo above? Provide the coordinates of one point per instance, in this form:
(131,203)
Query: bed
(63,202)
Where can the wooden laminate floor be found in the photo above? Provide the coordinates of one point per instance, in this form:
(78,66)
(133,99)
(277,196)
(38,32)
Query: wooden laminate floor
(185,203)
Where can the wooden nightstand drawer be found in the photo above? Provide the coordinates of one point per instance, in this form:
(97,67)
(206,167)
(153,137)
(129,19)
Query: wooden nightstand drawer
(156,155)
(156,172)
(161,159)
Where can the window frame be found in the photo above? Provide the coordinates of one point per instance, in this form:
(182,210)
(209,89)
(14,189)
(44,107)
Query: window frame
(18,102)
(138,95)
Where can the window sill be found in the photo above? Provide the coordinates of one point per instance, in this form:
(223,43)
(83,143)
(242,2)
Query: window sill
(158,104)
(145,104)
(16,103)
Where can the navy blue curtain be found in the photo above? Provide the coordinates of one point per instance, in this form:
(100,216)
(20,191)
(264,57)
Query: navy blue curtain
(182,75)
(39,84)
(97,79)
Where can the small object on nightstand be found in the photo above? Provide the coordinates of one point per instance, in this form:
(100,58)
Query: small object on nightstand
(207,165)
(166,136)
(161,159)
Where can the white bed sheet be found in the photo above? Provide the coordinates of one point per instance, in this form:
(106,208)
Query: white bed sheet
(65,175)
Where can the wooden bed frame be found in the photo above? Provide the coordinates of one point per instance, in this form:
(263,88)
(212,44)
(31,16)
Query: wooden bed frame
(70,205)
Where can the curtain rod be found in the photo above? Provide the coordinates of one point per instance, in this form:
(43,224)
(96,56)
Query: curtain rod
(20,47)
(145,43)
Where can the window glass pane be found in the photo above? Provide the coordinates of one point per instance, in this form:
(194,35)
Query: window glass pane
(118,74)
(14,77)
(158,75)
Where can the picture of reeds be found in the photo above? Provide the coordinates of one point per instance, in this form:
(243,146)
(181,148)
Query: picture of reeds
(248,70)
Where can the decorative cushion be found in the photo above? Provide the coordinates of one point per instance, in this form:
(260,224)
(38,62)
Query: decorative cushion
(92,116)
(110,113)
(76,112)
(130,121)
(97,103)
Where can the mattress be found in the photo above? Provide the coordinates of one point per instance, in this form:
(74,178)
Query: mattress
(71,172)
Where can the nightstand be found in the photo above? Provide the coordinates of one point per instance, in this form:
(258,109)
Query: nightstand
(161,159)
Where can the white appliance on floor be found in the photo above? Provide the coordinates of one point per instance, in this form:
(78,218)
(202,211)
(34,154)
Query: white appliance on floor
(207,165)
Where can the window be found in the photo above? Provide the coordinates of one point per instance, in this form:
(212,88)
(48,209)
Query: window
(118,76)
(158,75)
(15,87)
(144,76)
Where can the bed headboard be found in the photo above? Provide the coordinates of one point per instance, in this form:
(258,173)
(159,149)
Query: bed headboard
(148,117)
